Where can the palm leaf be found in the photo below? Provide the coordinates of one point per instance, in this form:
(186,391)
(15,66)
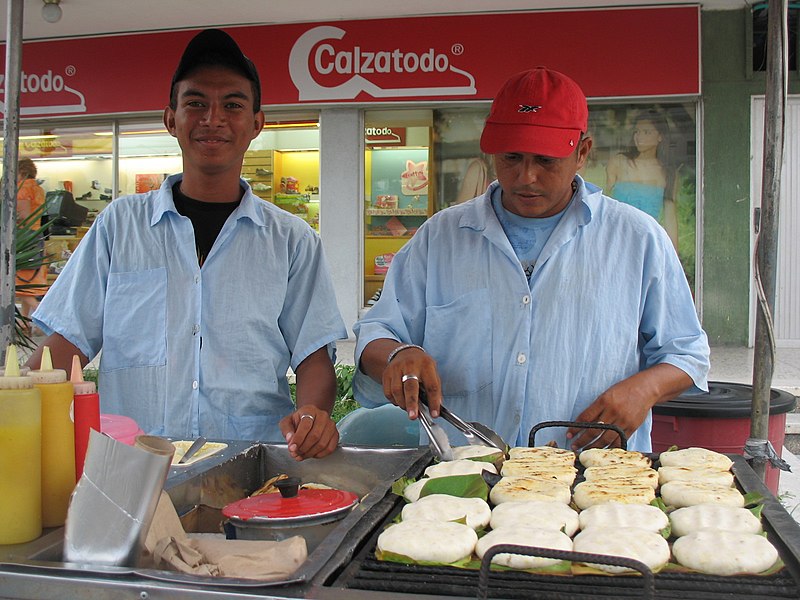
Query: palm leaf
(29,255)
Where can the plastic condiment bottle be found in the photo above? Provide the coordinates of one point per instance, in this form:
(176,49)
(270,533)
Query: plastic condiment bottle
(20,455)
(85,411)
(58,440)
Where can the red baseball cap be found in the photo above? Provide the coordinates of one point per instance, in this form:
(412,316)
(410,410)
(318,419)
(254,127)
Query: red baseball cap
(539,111)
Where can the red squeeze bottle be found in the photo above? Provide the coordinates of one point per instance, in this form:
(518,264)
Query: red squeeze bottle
(86,413)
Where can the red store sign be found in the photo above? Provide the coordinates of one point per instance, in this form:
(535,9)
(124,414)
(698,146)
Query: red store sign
(610,52)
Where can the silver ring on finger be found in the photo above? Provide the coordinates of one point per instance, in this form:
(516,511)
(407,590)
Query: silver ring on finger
(307,416)
(407,377)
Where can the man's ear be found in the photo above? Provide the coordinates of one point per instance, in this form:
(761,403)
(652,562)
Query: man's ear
(583,151)
(169,120)
(258,123)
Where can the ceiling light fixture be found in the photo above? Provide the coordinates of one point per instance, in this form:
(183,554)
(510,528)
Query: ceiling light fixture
(51,11)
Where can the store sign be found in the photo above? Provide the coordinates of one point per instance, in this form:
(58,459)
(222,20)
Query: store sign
(49,92)
(385,136)
(324,65)
(653,51)
(62,146)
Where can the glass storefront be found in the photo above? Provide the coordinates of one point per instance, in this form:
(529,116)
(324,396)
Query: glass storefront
(397,196)
(416,161)
(643,154)
(95,162)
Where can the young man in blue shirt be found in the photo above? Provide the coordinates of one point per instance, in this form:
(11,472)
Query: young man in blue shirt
(200,295)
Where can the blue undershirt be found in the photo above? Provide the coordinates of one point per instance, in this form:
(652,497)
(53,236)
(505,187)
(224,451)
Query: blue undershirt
(527,235)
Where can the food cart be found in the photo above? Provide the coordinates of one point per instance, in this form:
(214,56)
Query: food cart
(343,565)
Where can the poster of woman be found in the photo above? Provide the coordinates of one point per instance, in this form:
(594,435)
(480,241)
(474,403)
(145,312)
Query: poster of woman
(643,175)
(644,155)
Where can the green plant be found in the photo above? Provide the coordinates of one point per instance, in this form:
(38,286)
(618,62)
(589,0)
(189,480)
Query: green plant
(90,374)
(29,255)
(344,403)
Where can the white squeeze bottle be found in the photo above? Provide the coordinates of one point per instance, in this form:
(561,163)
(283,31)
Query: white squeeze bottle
(58,440)
(20,455)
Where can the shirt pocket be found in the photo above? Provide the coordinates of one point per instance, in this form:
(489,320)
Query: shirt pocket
(459,337)
(135,320)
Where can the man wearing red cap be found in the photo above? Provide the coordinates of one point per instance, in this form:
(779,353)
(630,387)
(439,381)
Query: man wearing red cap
(542,300)
(199,294)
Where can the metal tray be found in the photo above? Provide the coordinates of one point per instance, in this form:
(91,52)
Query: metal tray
(35,570)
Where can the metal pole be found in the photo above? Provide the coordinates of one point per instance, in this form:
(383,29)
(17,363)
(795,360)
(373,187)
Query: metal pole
(767,239)
(8,208)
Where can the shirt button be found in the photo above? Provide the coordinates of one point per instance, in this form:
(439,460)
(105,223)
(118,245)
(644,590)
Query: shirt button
(194,385)
(526,299)
(195,329)
(521,358)
(197,278)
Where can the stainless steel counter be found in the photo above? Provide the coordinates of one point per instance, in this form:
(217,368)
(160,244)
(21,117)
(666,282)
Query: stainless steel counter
(35,571)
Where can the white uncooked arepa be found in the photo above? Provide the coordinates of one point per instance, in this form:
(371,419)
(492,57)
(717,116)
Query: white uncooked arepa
(510,489)
(699,517)
(617,514)
(536,514)
(462,466)
(470,452)
(443,507)
(704,474)
(413,490)
(523,536)
(688,493)
(695,457)
(639,544)
(429,541)
(725,552)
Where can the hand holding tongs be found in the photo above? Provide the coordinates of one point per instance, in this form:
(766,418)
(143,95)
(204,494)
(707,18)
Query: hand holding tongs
(475,433)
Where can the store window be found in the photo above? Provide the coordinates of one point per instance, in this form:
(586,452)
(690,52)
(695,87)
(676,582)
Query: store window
(147,155)
(282,164)
(74,159)
(74,166)
(759,26)
(643,154)
(398,198)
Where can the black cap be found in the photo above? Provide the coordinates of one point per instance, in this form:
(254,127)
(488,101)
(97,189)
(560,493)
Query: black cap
(215,47)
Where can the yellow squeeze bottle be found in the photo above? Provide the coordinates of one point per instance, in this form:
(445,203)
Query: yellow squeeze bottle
(58,440)
(20,455)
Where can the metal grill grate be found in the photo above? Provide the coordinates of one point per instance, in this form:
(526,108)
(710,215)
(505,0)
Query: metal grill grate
(367,573)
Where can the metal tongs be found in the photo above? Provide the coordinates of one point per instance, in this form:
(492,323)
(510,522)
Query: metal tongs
(477,434)
(438,440)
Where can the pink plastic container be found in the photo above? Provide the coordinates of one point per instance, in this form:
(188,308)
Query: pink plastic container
(121,428)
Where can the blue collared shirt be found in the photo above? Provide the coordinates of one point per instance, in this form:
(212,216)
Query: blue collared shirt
(186,350)
(607,298)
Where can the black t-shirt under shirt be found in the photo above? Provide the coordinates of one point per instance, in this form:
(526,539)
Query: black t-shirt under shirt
(207,219)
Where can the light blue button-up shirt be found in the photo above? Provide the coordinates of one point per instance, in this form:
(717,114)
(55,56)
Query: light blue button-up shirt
(607,298)
(186,350)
